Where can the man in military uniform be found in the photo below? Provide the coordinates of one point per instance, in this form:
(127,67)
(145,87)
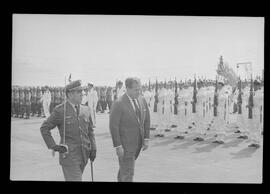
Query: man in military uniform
(12,101)
(33,101)
(46,101)
(57,99)
(27,103)
(199,117)
(16,102)
(185,111)
(92,100)
(38,102)
(109,98)
(120,90)
(161,110)
(255,124)
(22,102)
(77,142)
(102,99)
(52,104)
(219,122)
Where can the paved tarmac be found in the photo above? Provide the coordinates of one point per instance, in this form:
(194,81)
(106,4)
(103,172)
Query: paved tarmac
(166,160)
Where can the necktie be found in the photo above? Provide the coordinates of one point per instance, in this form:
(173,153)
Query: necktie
(137,110)
(77,110)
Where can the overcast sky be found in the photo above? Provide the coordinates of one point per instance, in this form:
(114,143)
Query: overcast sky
(106,48)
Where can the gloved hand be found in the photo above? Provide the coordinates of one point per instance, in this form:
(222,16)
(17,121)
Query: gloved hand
(60,148)
(93,154)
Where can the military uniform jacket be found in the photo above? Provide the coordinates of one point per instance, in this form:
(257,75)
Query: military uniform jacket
(79,134)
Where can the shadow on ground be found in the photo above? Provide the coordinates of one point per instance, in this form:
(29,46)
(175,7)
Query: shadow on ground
(233,143)
(185,143)
(207,148)
(168,140)
(244,153)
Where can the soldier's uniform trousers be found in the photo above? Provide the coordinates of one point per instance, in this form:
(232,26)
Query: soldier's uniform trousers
(103,103)
(12,107)
(38,105)
(109,102)
(255,125)
(242,119)
(160,116)
(153,115)
(166,115)
(219,125)
(46,108)
(33,107)
(74,172)
(16,108)
(39,108)
(199,117)
(22,108)
(27,108)
(208,111)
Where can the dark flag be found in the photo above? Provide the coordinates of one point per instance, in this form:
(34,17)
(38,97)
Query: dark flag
(216,99)
(175,98)
(156,97)
(250,100)
(239,98)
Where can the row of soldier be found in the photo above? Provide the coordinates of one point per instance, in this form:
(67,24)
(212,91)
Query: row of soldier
(40,101)
(34,101)
(207,108)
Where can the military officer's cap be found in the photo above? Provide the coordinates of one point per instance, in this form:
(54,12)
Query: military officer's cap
(74,85)
(90,84)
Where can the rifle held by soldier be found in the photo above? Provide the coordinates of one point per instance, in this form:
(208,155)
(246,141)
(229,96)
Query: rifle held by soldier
(215,99)
(175,98)
(156,97)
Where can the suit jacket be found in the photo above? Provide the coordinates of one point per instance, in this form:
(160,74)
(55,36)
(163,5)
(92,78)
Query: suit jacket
(79,135)
(125,128)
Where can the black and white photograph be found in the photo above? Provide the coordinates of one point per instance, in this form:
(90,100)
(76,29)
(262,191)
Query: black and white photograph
(137,98)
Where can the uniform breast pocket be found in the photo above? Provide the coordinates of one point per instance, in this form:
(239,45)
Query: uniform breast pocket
(70,120)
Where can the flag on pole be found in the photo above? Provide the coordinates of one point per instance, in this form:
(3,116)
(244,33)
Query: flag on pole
(69,78)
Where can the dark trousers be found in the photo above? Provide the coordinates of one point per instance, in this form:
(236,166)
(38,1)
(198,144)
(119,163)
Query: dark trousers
(109,104)
(12,108)
(98,106)
(127,165)
(38,110)
(27,110)
(33,108)
(16,109)
(126,169)
(22,109)
(103,105)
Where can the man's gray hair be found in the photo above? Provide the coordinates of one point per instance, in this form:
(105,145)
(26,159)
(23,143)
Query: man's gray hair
(132,80)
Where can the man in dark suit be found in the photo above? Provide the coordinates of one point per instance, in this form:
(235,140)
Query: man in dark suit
(129,126)
(77,142)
